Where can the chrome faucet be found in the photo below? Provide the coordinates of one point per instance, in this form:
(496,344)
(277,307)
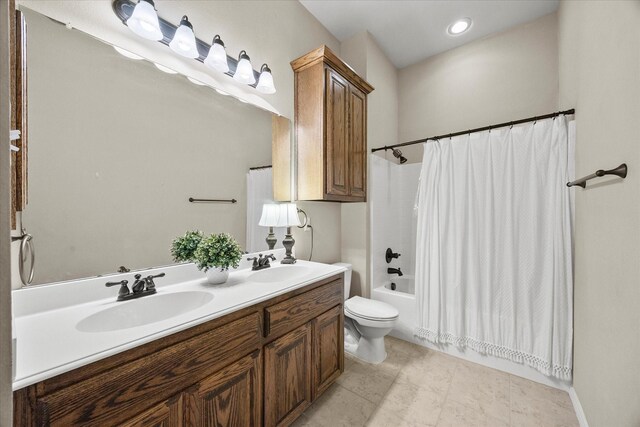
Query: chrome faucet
(141,287)
(394,271)
(260,262)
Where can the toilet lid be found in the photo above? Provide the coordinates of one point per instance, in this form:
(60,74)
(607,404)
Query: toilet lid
(370,309)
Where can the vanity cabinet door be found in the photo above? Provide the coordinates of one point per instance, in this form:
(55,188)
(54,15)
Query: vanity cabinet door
(165,414)
(328,355)
(357,144)
(287,380)
(337,104)
(230,397)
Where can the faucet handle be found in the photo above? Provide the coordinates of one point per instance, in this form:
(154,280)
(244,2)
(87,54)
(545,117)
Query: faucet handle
(254,259)
(149,280)
(124,289)
(271,256)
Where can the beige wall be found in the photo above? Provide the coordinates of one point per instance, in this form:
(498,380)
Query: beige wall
(506,76)
(365,56)
(600,76)
(5,257)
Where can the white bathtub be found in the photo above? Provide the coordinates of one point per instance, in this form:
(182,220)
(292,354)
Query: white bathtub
(404,299)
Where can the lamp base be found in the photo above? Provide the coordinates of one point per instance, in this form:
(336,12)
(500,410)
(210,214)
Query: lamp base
(288,243)
(271,239)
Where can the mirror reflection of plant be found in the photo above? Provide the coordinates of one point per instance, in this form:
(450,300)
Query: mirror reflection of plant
(218,251)
(184,247)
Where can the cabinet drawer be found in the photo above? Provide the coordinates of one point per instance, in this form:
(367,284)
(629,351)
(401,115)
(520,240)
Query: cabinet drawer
(114,396)
(293,312)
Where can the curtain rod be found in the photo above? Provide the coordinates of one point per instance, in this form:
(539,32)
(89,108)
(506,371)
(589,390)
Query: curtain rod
(501,125)
(255,168)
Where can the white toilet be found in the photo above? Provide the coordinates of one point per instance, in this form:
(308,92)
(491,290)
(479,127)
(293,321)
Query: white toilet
(366,323)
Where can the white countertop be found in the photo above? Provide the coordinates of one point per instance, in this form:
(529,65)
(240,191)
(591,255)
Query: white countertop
(48,342)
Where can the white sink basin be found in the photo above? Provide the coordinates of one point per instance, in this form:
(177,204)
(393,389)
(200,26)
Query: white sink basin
(278,274)
(143,311)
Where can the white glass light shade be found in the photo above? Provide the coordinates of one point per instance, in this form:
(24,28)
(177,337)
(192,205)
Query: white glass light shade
(288,215)
(164,69)
(144,21)
(195,82)
(265,82)
(217,57)
(244,71)
(184,41)
(127,54)
(270,214)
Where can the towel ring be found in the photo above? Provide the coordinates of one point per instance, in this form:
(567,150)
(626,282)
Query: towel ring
(26,242)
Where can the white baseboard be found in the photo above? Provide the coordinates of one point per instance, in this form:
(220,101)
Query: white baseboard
(577,407)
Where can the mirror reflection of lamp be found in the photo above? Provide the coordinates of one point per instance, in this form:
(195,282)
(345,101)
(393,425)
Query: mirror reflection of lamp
(288,217)
(269,218)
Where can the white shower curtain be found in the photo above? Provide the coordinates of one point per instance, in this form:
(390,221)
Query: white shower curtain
(493,252)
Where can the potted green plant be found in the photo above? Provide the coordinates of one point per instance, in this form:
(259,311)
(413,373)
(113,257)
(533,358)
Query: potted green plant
(214,254)
(183,247)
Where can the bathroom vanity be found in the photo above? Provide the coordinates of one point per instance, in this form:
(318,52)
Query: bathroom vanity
(258,353)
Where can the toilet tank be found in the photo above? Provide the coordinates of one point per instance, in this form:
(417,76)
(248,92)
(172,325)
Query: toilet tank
(347,278)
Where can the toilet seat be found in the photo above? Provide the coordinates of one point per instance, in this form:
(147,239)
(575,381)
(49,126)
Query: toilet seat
(370,311)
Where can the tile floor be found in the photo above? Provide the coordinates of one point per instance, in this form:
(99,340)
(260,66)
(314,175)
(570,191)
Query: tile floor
(420,387)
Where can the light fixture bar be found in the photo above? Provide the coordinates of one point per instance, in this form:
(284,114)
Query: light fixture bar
(124,9)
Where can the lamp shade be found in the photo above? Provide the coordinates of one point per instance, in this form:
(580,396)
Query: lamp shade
(244,70)
(270,213)
(288,215)
(217,57)
(144,21)
(184,40)
(265,81)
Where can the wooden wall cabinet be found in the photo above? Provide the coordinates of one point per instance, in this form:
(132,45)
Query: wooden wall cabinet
(262,365)
(330,128)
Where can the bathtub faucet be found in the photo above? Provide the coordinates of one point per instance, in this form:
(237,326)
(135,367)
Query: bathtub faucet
(394,271)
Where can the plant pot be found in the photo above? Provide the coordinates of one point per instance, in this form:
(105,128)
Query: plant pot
(217,276)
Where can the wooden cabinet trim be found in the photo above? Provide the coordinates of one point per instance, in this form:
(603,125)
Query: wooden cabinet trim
(326,55)
(287,315)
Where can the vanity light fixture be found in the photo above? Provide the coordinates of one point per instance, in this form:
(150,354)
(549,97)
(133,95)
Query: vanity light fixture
(244,70)
(144,21)
(142,18)
(459,27)
(184,40)
(164,69)
(217,57)
(265,81)
(127,54)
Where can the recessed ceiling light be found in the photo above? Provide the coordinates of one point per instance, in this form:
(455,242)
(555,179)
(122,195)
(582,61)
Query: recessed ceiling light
(459,27)
(165,69)
(195,82)
(126,53)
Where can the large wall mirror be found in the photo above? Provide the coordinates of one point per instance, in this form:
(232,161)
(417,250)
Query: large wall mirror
(116,149)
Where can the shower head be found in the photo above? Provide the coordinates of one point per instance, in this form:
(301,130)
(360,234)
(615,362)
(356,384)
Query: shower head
(398,155)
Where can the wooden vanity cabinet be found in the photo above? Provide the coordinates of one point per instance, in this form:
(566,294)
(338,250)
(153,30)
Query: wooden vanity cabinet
(330,128)
(262,365)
